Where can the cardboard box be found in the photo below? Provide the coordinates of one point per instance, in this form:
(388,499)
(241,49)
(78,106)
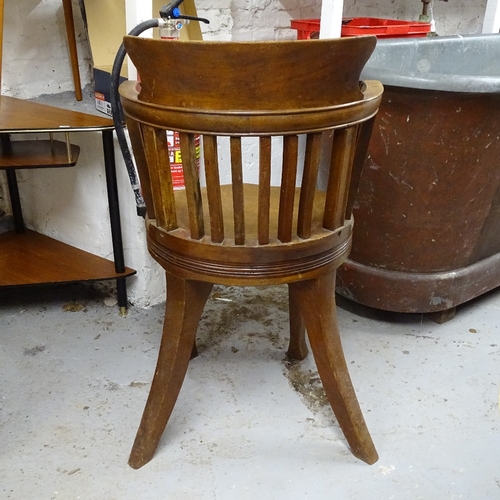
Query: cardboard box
(102,91)
(106,26)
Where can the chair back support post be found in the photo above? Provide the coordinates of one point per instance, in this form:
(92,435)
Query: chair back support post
(264,189)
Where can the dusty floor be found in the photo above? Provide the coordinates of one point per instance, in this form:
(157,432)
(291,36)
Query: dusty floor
(248,425)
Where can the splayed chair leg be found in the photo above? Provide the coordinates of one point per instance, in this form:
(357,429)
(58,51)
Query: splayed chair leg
(316,299)
(185,303)
(297,348)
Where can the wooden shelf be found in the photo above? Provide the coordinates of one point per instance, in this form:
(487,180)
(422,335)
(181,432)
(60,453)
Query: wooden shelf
(38,154)
(31,258)
(18,115)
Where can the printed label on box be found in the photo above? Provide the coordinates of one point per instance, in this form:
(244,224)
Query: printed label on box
(101,104)
(175,157)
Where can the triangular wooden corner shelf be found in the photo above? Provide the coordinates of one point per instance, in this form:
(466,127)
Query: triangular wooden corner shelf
(38,154)
(32,258)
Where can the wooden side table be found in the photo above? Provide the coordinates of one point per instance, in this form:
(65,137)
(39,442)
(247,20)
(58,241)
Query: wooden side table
(26,257)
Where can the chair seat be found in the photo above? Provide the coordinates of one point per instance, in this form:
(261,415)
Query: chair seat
(251,198)
(227,263)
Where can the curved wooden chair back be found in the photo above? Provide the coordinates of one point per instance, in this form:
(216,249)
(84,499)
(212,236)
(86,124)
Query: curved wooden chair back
(303,104)
(299,88)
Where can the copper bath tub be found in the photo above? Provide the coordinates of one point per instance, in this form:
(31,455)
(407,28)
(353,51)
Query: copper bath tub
(427,216)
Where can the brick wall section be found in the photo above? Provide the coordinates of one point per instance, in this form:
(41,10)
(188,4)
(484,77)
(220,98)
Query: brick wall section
(270,19)
(254,19)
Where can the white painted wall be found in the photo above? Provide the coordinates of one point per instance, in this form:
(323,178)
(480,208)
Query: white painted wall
(71,203)
(492,17)
(35,53)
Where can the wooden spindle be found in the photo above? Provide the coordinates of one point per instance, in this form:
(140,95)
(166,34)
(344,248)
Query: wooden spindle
(264,189)
(162,191)
(288,181)
(310,178)
(238,196)
(344,142)
(213,188)
(192,183)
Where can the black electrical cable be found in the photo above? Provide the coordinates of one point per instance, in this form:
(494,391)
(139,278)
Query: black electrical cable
(168,11)
(117,115)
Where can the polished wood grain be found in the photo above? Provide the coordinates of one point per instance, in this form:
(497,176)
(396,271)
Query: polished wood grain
(19,115)
(240,233)
(213,192)
(28,258)
(31,258)
(38,154)
(73,55)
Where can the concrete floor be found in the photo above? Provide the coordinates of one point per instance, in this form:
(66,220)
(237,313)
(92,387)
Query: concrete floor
(75,376)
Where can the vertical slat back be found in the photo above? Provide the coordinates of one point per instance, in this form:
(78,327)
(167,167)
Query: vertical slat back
(344,143)
(264,189)
(213,188)
(136,139)
(237,184)
(192,183)
(287,194)
(162,192)
(309,183)
(347,152)
(218,94)
(363,139)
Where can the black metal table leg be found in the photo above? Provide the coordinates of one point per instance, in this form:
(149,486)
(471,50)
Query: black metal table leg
(15,201)
(114,215)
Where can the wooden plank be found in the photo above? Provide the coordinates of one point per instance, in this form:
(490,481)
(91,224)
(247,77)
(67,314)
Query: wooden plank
(191,31)
(162,190)
(287,194)
(264,189)
(344,143)
(192,182)
(18,115)
(310,178)
(38,154)
(31,258)
(73,54)
(237,185)
(213,188)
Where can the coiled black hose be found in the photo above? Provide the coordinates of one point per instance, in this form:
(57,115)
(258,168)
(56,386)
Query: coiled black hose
(117,115)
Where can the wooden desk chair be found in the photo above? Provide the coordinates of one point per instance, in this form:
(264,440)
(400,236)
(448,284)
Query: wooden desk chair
(245,234)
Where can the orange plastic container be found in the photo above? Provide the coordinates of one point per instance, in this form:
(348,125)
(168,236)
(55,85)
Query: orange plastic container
(306,28)
(389,28)
(382,28)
